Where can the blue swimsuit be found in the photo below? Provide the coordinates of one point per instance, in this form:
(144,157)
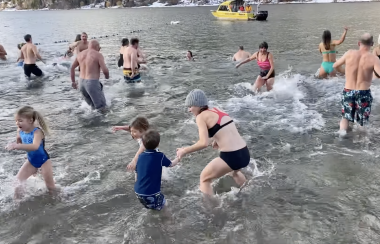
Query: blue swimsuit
(40,156)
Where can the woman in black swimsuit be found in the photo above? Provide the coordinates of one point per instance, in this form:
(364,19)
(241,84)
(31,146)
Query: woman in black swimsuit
(213,123)
(124,44)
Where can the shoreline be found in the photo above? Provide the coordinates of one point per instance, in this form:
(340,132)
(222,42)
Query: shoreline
(161,5)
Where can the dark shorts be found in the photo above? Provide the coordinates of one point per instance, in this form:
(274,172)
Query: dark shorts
(264,73)
(127,76)
(32,69)
(155,202)
(356,102)
(237,159)
(92,91)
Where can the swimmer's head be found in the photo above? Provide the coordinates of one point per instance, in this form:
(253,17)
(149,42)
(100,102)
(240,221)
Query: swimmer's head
(138,127)
(78,38)
(366,40)
(135,42)
(125,42)
(263,46)
(151,139)
(241,48)
(84,36)
(25,118)
(326,38)
(196,101)
(28,38)
(94,44)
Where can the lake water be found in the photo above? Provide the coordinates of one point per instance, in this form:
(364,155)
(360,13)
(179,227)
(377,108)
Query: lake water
(307,184)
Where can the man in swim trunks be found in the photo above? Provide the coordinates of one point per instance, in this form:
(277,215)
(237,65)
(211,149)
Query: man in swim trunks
(3,53)
(29,54)
(130,66)
(241,54)
(357,99)
(91,62)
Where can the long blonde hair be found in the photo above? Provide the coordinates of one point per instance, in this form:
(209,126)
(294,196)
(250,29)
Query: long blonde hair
(30,113)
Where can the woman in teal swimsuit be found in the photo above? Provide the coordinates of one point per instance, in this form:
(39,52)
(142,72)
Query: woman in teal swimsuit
(327,48)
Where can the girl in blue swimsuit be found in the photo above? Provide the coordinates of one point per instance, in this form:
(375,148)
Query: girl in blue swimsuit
(327,49)
(32,139)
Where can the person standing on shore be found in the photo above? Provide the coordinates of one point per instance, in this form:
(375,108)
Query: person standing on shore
(356,97)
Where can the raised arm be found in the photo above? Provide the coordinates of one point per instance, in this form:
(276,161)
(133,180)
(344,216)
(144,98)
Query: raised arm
(103,66)
(340,61)
(341,40)
(253,57)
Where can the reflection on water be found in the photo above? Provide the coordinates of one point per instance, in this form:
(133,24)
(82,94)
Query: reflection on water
(306,184)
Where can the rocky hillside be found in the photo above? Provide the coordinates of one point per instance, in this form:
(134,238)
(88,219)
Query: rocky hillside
(69,4)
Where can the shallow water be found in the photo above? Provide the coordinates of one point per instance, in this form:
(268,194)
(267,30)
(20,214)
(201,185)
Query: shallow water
(307,184)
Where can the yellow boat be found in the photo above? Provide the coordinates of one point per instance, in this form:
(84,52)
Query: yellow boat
(230,10)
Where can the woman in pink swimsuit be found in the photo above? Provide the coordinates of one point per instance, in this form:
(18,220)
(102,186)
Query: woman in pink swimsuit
(265,62)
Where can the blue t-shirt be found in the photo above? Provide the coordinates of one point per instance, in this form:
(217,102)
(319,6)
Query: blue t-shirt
(149,172)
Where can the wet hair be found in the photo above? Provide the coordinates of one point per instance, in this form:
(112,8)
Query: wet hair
(366,40)
(78,38)
(241,47)
(191,54)
(326,38)
(125,42)
(151,139)
(140,123)
(29,113)
(19,46)
(27,38)
(134,41)
(203,108)
(264,45)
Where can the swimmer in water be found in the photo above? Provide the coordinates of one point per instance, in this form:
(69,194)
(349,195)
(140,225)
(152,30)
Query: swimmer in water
(241,54)
(71,50)
(189,56)
(356,97)
(124,45)
(32,139)
(327,49)
(130,66)
(266,64)
(3,53)
(29,54)
(92,62)
(216,124)
(20,61)
(149,172)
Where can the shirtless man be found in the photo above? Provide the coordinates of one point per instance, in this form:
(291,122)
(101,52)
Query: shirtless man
(91,62)
(81,45)
(241,54)
(360,65)
(130,66)
(3,53)
(29,54)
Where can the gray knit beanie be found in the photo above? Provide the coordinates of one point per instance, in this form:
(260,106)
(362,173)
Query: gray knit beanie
(196,98)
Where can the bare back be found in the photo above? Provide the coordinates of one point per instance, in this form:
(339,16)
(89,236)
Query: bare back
(90,62)
(328,55)
(360,65)
(129,56)
(82,45)
(241,55)
(29,53)
(228,137)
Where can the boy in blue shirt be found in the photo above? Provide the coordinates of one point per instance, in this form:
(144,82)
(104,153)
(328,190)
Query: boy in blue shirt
(149,172)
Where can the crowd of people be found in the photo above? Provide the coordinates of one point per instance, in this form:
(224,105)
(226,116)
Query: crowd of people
(212,123)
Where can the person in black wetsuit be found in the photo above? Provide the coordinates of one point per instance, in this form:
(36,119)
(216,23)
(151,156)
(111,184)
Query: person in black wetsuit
(124,44)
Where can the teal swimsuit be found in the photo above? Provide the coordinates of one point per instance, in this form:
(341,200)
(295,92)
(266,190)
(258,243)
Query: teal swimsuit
(328,66)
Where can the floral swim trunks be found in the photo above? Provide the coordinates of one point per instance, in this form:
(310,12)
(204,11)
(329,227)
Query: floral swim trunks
(356,102)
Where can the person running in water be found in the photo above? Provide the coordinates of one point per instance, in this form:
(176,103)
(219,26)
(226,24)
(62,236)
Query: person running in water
(31,139)
(241,54)
(130,66)
(357,98)
(20,61)
(80,45)
(69,53)
(3,53)
(327,48)
(266,64)
(29,54)
(91,62)
(214,123)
